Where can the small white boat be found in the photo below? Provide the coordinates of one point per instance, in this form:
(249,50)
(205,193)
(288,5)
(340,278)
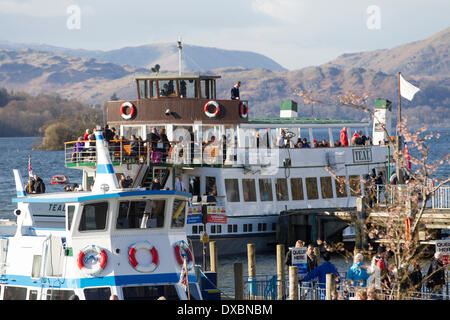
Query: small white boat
(129,243)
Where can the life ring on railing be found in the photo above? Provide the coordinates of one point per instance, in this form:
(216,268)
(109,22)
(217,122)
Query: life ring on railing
(123,109)
(216,111)
(92,260)
(182,249)
(142,266)
(243,110)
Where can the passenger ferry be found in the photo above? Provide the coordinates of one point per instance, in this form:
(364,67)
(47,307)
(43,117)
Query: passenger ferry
(239,176)
(104,243)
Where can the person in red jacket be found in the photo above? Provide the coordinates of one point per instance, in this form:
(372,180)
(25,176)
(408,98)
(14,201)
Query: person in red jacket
(344,139)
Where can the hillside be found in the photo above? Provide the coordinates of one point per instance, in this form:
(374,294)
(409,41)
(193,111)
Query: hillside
(424,63)
(166,54)
(429,57)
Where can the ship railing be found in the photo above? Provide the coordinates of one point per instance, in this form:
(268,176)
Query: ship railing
(392,194)
(83,153)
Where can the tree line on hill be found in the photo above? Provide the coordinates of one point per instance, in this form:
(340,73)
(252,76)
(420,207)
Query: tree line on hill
(48,115)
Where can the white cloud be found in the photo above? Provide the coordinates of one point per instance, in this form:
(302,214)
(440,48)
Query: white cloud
(285,10)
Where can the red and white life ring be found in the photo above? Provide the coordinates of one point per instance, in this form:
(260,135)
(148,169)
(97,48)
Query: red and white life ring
(181,249)
(243,110)
(147,259)
(92,260)
(216,111)
(123,109)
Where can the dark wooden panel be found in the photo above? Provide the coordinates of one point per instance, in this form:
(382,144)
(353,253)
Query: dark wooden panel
(182,111)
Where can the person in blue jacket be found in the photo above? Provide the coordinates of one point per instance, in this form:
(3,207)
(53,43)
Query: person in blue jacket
(357,274)
(321,272)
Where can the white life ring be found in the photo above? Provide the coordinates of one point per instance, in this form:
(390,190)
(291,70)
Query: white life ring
(92,260)
(145,248)
(123,108)
(243,110)
(181,249)
(212,114)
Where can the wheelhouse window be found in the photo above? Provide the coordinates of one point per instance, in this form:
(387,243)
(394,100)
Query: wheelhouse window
(207,87)
(232,190)
(249,190)
(282,190)
(167,88)
(188,88)
(178,213)
(297,189)
(265,189)
(94,217)
(141,214)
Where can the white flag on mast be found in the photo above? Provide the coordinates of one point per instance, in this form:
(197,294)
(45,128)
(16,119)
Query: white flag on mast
(407,90)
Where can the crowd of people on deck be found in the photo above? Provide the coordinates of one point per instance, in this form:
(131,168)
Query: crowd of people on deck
(358,139)
(374,281)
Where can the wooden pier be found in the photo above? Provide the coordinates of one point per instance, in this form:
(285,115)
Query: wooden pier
(327,224)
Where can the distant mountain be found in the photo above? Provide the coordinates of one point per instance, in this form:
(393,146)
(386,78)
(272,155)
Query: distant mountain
(194,58)
(93,81)
(429,57)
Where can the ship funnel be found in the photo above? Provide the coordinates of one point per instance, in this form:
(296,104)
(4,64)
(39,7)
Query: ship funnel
(105,178)
(19,184)
(381,121)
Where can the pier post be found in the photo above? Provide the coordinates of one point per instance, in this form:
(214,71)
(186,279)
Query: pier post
(251,270)
(293,283)
(330,286)
(238,282)
(213,256)
(360,235)
(280,271)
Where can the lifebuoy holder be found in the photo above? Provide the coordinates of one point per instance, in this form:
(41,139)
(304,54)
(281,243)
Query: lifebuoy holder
(143,249)
(123,110)
(92,260)
(181,249)
(216,109)
(243,110)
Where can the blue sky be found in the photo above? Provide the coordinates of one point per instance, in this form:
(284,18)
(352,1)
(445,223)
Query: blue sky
(295,33)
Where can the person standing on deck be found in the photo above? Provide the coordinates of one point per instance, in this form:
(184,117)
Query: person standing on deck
(37,186)
(235,91)
(343,137)
(179,184)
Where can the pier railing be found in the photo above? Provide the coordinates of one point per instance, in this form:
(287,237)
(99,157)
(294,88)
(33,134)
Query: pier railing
(267,290)
(440,199)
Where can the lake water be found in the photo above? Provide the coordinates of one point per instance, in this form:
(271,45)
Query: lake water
(14,154)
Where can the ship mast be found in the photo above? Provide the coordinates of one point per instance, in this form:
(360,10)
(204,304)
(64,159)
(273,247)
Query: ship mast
(180,47)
